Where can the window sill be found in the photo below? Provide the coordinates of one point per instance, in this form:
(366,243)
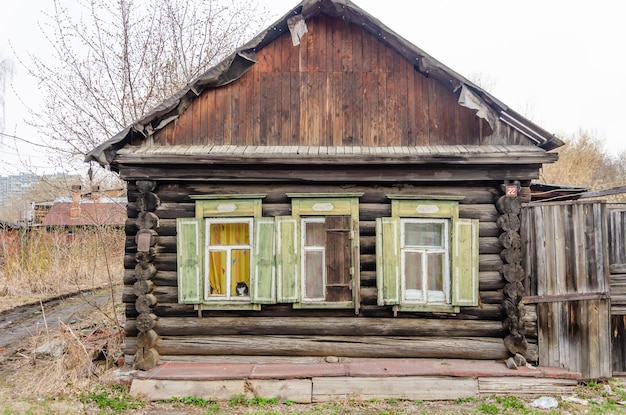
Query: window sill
(427,308)
(223,305)
(324,304)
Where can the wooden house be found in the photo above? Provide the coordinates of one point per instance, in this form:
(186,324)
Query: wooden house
(329,189)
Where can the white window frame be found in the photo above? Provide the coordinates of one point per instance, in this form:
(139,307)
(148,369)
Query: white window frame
(426,296)
(228,249)
(304,250)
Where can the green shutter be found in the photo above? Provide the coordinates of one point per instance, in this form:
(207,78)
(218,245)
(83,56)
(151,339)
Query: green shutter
(189,247)
(465,262)
(388,260)
(263,289)
(287,264)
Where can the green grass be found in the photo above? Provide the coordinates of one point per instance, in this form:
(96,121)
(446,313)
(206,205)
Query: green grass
(241,400)
(115,399)
(487,408)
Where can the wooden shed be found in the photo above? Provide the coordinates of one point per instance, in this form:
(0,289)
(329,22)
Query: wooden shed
(327,189)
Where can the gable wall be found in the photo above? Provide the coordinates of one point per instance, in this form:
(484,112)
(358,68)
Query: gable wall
(339,87)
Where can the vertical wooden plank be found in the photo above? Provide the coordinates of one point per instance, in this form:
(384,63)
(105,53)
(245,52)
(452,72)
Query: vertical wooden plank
(263,286)
(618,343)
(554,333)
(604,336)
(465,262)
(391,122)
(236,112)
(346,46)
(245,115)
(227,94)
(370,95)
(338,258)
(255,98)
(403,127)
(572,333)
(352,90)
(380,111)
(209,112)
(561,311)
(218,127)
(540,253)
(287,259)
(411,106)
(295,110)
(337,112)
(322,29)
(387,266)
(196,120)
(543,333)
(190,243)
(559,249)
(285,109)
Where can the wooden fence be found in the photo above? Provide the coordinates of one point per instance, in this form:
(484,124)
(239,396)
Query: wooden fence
(567,277)
(617,266)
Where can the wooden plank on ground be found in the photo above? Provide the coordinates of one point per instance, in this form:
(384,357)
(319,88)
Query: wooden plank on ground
(297,390)
(427,388)
(525,386)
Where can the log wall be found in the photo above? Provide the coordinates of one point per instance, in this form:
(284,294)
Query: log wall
(281,330)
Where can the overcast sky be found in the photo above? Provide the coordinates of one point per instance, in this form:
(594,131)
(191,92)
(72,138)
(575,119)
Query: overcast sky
(559,63)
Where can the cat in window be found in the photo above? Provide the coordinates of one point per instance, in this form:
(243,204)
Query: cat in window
(242,289)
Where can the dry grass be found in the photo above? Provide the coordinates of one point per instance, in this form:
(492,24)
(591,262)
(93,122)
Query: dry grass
(86,350)
(37,264)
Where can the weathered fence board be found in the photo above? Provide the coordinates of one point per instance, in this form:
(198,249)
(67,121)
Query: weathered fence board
(567,276)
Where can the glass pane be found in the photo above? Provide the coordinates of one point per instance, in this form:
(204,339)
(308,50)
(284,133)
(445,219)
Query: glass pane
(314,274)
(314,234)
(435,272)
(413,275)
(423,234)
(240,272)
(229,234)
(217,272)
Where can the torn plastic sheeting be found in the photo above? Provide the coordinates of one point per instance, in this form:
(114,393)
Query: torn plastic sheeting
(297,27)
(469,99)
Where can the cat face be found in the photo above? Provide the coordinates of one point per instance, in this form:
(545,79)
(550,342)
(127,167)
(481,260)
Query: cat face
(242,289)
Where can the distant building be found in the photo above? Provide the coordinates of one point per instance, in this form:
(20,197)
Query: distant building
(94,210)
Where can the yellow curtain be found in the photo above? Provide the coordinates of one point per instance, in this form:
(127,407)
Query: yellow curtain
(223,235)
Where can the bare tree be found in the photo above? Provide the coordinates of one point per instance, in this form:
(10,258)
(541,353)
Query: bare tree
(583,161)
(114,61)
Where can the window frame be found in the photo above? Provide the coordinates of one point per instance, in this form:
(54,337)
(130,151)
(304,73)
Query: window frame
(462,253)
(193,259)
(426,251)
(308,207)
(207,297)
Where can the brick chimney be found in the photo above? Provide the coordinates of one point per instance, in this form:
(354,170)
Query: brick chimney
(95,193)
(75,206)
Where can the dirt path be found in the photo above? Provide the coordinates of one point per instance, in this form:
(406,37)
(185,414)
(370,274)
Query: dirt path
(17,325)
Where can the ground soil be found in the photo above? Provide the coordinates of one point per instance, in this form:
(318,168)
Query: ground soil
(35,385)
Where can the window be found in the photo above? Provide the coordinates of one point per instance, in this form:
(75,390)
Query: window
(424,258)
(225,254)
(228,259)
(317,251)
(427,257)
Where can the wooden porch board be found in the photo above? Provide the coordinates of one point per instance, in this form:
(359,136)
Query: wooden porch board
(427,388)
(297,390)
(525,386)
(359,379)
